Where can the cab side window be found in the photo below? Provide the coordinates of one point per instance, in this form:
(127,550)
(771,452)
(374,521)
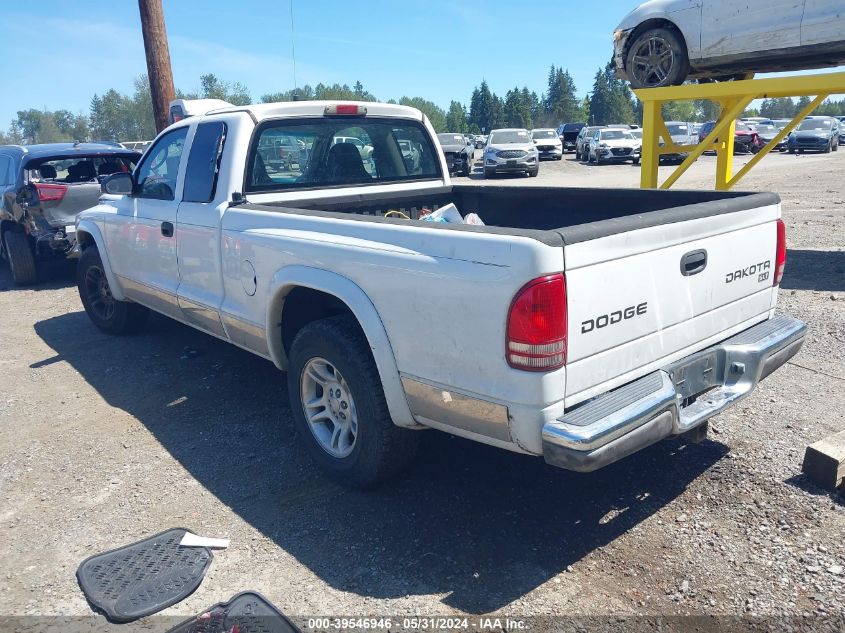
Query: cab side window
(159,169)
(204,162)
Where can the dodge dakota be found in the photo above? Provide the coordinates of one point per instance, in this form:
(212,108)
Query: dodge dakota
(577,324)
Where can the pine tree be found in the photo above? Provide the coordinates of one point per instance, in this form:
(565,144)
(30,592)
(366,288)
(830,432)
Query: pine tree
(456,118)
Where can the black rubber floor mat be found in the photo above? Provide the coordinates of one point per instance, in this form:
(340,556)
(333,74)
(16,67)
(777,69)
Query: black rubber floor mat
(143,578)
(247,612)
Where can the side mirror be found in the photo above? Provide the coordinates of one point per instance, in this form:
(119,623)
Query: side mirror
(119,184)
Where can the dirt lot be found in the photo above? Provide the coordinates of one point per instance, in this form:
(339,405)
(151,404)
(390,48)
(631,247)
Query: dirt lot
(104,441)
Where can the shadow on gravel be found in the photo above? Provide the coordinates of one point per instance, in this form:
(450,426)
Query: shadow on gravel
(52,275)
(804,483)
(478,524)
(814,270)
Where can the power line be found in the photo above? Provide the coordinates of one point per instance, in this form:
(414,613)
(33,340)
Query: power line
(293,49)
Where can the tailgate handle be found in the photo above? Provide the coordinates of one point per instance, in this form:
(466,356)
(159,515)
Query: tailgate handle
(693,262)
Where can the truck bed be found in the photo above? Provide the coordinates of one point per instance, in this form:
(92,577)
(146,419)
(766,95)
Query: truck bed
(551,215)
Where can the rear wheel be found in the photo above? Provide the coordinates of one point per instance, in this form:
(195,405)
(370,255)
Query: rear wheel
(107,313)
(339,408)
(21,258)
(657,57)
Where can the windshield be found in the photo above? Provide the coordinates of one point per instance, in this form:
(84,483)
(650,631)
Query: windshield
(678,129)
(451,139)
(614,135)
(815,124)
(742,127)
(503,137)
(766,129)
(637,133)
(537,134)
(317,153)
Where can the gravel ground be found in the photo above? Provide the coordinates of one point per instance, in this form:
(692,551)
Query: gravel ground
(104,441)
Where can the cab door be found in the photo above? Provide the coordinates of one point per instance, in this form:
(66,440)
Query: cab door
(753,26)
(141,236)
(823,23)
(200,291)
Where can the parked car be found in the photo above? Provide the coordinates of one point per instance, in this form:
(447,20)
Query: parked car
(815,134)
(458,151)
(480,141)
(665,42)
(613,145)
(682,134)
(746,140)
(568,134)
(509,151)
(767,133)
(754,121)
(841,130)
(582,141)
(43,188)
(781,123)
(548,143)
(567,298)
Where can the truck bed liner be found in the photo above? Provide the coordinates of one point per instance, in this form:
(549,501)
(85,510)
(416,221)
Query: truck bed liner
(551,215)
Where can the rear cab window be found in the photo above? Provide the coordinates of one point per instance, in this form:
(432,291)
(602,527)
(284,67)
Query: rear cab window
(311,153)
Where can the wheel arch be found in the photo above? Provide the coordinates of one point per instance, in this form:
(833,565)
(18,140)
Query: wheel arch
(297,289)
(88,235)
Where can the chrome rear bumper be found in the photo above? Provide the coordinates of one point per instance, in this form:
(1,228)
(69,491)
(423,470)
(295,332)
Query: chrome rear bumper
(672,400)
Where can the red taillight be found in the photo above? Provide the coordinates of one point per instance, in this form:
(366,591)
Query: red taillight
(536,338)
(780,253)
(50,193)
(345,109)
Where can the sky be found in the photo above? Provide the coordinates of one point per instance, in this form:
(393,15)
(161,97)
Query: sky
(58,55)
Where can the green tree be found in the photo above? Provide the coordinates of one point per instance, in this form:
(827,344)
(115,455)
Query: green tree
(456,118)
(560,104)
(434,112)
(778,108)
(517,110)
(486,110)
(611,100)
(214,88)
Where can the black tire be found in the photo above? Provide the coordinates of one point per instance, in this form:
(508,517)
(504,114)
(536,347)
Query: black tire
(532,173)
(597,160)
(21,258)
(791,150)
(829,148)
(107,313)
(467,170)
(658,68)
(635,161)
(488,173)
(381,449)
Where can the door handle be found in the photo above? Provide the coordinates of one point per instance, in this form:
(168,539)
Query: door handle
(693,262)
(167,229)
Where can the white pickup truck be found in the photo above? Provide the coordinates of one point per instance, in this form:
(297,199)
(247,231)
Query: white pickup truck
(577,324)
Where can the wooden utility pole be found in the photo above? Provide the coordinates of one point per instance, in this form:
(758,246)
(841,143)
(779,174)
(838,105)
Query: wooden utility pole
(158,59)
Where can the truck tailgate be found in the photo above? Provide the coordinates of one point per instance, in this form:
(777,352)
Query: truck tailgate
(641,299)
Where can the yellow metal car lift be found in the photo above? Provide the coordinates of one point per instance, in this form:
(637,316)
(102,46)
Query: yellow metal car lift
(733,97)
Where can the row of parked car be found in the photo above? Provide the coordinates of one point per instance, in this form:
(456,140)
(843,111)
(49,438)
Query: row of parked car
(596,143)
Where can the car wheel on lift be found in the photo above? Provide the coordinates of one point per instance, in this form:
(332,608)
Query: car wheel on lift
(657,57)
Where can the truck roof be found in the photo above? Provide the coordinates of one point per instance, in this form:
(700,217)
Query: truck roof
(261,111)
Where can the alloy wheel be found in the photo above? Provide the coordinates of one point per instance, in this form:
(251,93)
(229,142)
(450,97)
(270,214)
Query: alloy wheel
(329,408)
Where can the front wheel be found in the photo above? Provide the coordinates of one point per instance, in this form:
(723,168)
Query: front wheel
(338,405)
(657,57)
(532,173)
(107,313)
